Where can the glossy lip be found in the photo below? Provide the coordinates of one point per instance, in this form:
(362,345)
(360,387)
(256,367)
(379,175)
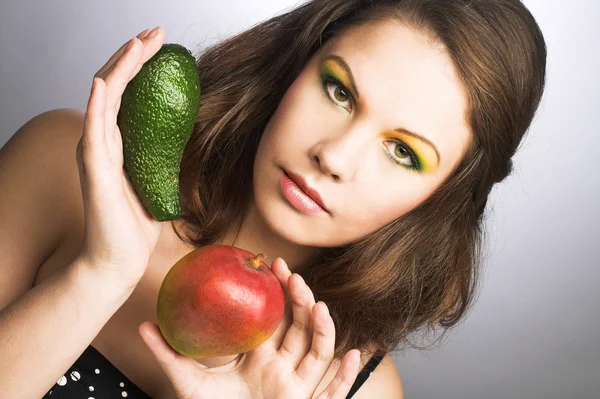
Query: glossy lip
(311,192)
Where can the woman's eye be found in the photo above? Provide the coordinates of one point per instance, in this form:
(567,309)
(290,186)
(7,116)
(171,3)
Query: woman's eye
(401,154)
(336,92)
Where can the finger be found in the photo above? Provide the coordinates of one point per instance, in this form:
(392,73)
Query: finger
(118,78)
(92,146)
(102,71)
(92,139)
(298,337)
(281,270)
(150,45)
(149,39)
(179,369)
(340,385)
(316,362)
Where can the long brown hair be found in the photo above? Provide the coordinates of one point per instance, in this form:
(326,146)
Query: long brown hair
(421,271)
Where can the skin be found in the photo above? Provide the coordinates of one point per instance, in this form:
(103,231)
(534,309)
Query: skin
(338,143)
(405,81)
(341,139)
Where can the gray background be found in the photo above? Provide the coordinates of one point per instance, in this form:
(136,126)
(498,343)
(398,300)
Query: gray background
(534,331)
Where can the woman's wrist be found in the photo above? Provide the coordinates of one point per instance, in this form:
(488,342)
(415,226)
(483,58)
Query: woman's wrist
(108,286)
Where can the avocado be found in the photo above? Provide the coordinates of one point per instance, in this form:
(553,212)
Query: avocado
(158,111)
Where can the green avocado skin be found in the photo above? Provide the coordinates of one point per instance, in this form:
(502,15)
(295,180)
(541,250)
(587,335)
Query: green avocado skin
(158,111)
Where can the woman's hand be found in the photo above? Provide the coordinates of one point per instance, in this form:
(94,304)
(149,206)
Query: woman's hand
(290,364)
(120,234)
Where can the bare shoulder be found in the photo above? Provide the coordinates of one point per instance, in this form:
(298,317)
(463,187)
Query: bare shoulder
(40,198)
(383,383)
(49,141)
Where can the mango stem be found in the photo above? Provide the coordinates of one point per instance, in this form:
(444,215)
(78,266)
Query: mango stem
(255,262)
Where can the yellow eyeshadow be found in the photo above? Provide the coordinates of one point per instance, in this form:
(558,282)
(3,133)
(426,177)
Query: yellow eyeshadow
(332,68)
(426,155)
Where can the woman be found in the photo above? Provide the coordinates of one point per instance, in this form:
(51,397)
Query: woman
(401,115)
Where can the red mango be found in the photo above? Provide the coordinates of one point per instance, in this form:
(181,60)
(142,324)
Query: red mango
(219,300)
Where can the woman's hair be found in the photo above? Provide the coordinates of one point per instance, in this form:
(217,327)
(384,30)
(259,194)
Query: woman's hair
(419,272)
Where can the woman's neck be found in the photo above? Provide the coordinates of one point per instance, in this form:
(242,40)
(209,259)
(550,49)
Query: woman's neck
(255,236)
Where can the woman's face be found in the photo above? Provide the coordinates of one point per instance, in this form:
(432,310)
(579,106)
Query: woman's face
(374,124)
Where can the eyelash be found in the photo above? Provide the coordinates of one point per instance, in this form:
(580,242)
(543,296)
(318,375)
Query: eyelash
(415,165)
(326,79)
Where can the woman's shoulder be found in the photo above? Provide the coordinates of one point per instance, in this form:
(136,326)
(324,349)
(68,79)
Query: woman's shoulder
(383,383)
(44,174)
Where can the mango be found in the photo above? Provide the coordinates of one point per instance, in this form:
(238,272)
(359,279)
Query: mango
(219,300)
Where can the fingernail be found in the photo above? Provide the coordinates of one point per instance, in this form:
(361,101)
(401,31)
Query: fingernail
(153,33)
(143,34)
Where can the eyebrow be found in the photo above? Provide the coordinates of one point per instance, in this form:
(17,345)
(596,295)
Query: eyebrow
(344,66)
(421,138)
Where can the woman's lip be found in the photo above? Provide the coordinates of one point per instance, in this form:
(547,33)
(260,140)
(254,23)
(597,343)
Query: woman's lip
(303,184)
(298,197)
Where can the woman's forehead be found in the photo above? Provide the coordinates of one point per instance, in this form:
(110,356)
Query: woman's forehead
(405,80)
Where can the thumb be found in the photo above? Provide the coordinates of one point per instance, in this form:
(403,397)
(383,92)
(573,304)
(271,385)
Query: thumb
(183,372)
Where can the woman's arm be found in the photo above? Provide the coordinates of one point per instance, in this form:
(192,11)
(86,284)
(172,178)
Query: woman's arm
(45,328)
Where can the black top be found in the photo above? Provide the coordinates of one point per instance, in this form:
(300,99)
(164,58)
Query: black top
(93,376)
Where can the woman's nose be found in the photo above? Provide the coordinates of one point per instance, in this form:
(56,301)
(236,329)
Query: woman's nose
(340,156)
